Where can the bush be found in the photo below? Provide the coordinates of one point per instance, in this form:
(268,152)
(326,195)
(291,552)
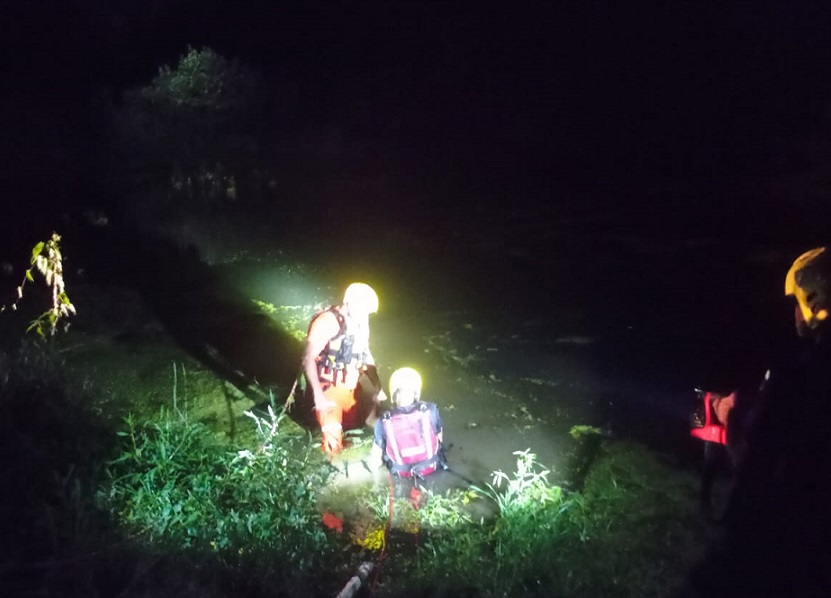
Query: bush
(630,532)
(48,261)
(193,138)
(182,490)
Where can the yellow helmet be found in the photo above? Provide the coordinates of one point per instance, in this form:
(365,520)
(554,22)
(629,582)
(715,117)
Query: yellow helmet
(405,378)
(809,280)
(362,296)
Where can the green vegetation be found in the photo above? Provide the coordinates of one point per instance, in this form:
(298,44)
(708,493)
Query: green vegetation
(174,507)
(97,501)
(579,432)
(294,318)
(632,531)
(192,139)
(48,261)
(179,489)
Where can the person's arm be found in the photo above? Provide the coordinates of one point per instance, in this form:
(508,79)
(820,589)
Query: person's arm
(438,426)
(372,370)
(376,455)
(722,406)
(322,330)
(377,387)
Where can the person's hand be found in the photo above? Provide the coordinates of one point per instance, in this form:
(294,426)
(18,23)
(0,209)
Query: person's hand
(333,447)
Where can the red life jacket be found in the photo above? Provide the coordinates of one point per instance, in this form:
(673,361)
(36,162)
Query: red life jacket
(709,428)
(412,446)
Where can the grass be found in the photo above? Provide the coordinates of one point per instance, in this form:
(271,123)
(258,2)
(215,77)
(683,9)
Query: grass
(632,531)
(153,506)
(180,489)
(163,505)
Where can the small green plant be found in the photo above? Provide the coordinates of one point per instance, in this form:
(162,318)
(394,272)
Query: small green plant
(505,556)
(534,519)
(436,512)
(47,259)
(580,432)
(444,511)
(528,487)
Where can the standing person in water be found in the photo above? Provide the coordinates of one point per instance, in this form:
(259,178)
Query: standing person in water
(774,540)
(339,368)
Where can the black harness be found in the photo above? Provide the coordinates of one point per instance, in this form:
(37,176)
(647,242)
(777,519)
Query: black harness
(338,353)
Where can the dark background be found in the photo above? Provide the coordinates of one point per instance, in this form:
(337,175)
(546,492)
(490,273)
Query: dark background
(659,110)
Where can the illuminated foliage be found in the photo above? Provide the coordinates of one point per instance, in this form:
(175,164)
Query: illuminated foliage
(611,539)
(178,487)
(47,260)
(203,80)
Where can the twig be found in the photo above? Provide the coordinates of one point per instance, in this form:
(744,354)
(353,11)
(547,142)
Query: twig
(290,398)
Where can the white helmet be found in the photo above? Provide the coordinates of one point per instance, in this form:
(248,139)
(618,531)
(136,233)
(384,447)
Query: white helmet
(405,378)
(362,296)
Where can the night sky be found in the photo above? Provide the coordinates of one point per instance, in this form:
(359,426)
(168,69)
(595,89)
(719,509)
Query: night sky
(537,102)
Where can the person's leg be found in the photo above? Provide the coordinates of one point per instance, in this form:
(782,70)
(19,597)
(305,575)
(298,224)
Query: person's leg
(366,400)
(332,430)
(331,421)
(403,487)
(708,475)
(351,411)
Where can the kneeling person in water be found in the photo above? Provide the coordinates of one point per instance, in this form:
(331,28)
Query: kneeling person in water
(408,438)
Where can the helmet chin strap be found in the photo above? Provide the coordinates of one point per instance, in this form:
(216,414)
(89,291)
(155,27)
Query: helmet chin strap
(408,403)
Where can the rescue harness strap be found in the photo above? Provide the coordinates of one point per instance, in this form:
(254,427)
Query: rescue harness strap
(397,455)
(414,469)
(338,354)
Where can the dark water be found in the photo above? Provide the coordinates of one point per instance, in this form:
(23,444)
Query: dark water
(578,323)
(520,331)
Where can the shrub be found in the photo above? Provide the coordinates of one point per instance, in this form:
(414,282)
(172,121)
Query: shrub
(192,137)
(48,261)
(184,491)
(630,532)
(535,517)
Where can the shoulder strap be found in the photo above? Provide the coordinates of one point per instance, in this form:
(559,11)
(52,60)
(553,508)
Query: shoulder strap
(335,312)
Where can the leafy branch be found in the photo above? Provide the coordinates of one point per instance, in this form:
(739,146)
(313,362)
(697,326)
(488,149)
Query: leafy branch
(48,261)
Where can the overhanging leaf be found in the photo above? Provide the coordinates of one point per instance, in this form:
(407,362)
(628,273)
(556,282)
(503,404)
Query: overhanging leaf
(36,251)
